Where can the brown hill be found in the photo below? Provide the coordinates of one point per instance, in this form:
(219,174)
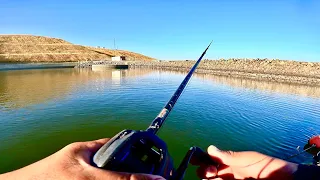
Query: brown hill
(29,48)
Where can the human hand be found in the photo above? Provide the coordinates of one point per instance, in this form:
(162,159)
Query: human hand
(72,162)
(246,165)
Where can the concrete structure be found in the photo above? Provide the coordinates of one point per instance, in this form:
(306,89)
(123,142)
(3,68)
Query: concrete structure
(118,58)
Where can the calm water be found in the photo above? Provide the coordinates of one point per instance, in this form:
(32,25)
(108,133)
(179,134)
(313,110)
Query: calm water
(43,110)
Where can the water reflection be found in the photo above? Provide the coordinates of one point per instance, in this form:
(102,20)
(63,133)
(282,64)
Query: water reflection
(284,88)
(115,74)
(28,87)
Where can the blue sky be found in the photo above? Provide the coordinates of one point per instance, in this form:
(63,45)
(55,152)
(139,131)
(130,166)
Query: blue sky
(167,29)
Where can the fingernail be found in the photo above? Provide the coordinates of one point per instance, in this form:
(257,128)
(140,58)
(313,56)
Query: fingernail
(211,171)
(213,148)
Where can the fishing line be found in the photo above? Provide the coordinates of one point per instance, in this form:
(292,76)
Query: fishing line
(312,146)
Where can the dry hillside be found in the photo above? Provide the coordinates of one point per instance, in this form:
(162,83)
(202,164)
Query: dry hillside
(29,48)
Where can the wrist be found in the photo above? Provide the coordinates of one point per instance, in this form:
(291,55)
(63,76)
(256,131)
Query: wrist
(278,169)
(23,173)
(286,171)
(8,175)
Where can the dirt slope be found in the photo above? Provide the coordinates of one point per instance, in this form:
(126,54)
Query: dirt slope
(29,48)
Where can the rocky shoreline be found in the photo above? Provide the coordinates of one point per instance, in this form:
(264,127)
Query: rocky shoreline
(268,70)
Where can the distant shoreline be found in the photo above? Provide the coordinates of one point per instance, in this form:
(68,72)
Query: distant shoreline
(294,72)
(28,66)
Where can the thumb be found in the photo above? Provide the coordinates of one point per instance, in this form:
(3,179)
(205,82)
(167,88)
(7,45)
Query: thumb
(224,157)
(231,158)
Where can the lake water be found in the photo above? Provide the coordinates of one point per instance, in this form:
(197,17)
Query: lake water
(42,110)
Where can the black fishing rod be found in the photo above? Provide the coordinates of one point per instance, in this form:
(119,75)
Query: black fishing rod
(159,120)
(144,152)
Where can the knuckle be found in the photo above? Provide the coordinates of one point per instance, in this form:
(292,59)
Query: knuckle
(73,145)
(230,153)
(134,177)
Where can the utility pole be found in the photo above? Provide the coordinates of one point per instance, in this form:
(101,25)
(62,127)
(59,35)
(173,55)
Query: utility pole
(114,46)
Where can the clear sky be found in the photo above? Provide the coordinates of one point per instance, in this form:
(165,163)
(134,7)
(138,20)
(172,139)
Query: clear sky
(180,29)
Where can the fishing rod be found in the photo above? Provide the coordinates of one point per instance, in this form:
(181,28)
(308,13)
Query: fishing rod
(159,120)
(144,152)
